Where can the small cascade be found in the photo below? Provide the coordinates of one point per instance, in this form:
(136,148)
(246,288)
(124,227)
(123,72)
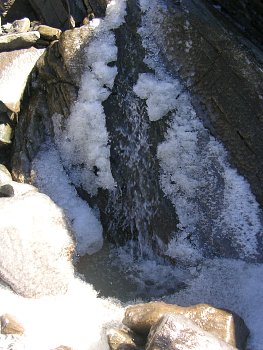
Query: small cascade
(136,209)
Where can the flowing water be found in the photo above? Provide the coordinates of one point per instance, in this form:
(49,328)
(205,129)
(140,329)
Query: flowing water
(169,190)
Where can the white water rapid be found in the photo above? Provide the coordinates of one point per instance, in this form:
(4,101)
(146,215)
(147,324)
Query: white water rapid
(195,176)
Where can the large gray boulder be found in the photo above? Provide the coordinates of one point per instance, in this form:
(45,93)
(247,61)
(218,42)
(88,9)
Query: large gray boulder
(13,79)
(36,243)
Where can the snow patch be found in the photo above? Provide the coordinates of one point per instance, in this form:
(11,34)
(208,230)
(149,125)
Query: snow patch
(160,95)
(78,319)
(51,178)
(12,78)
(83,139)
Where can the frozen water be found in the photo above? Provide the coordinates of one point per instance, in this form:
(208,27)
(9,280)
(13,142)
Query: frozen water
(51,179)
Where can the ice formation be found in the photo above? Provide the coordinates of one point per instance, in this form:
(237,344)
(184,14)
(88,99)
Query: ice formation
(51,179)
(35,245)
(160,95)
(83,143)
(209,196)
(77,319)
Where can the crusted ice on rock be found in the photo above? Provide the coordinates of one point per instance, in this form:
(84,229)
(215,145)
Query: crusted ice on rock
(160,95)
(35,245)
(51,178)
(83,140)
(211,199)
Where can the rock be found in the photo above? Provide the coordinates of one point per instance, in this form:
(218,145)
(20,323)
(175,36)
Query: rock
(18,41)
(5,176)
(52,90)
(248,15)
(222,323)
(218,61)
(52,13)
(123,338)
(49,33)
(9,325)
(176,332)
(21,25)
(6,130)
(98,7)
(6,191)
(12,78)
(63,347)
(35,245)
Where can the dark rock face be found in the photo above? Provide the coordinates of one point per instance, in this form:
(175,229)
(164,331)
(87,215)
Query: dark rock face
(52,13)
(248,14)
(225,78)
(16,9)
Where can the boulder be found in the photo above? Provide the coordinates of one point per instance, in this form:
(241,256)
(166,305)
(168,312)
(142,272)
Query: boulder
(124,339)
(21,25)
(49,33)
(176,332)
(12,78)
(222,323)
(18,40)
(36,244)
(52,90)
(9,325)
(5,176)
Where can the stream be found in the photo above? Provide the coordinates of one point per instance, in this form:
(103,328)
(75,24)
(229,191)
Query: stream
(168,217)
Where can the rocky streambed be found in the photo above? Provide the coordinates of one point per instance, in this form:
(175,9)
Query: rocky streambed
(99,117)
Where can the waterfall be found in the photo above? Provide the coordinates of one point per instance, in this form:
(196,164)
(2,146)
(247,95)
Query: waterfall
(159,184)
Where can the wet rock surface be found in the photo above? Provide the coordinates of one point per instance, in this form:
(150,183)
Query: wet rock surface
(223,324)
(224,74)
(176,332)
(124,339)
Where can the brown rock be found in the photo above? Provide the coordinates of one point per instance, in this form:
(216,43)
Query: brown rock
(176,332)
(222,323)
(18,40)
(9,325)
(123,338)
(49,33)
